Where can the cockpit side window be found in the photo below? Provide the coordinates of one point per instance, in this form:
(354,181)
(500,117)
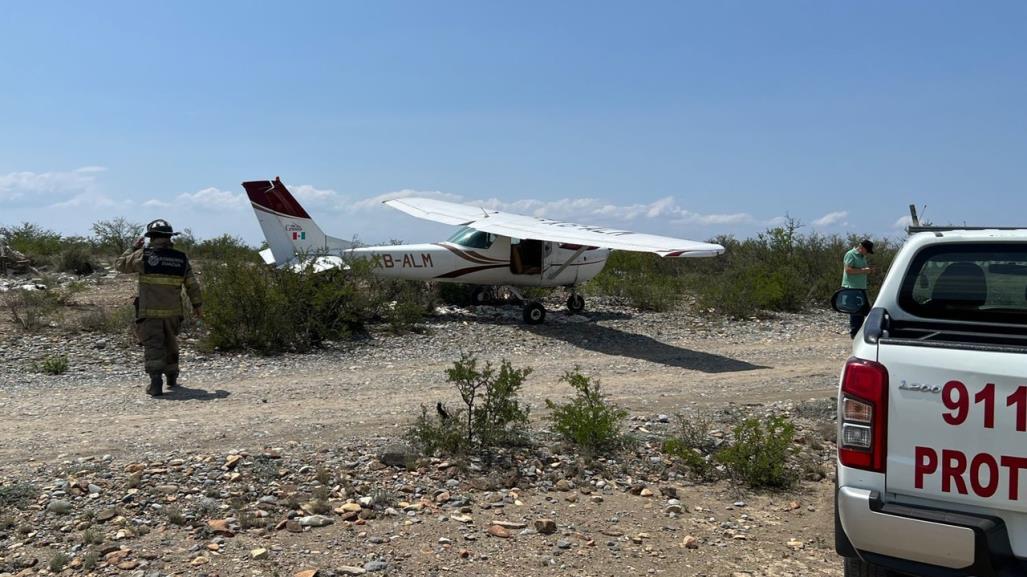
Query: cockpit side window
(470,238)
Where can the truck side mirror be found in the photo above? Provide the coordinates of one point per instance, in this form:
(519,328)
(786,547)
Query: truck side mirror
(850,301)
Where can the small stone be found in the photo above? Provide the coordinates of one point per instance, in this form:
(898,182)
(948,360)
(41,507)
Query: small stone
(376,565)
(220,526)
(564,544)
(545,526)
(106,515)
(128,565)
(350,570)
(563,485)
(793,505)
(510,524)
(462,518)
(232,461)
(442,497)
(647,492)
(349,508)
(398,455)
(259,554)
(58,506)
(501,532)
(690,542)
(201,560)
(315,521)
(795,544)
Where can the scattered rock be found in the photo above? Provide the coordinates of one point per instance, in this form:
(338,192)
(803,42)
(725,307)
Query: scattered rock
(545,526)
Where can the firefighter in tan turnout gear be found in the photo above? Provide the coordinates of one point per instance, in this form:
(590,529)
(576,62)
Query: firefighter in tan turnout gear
(163,271)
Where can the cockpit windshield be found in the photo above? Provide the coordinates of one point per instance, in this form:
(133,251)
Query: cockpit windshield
(471,238)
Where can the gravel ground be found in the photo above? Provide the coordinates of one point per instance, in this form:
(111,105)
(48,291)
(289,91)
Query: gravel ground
(338,408)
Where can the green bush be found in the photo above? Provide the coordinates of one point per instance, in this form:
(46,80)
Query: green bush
(644,280)
(270,310)
(692,445)
(116,235)
(57,562)
(101,320)
(589,421)
(760,453)
(494,416)
(17,495)
(54,365)
(76,258)
(32,240)
(32,310)
(433,434)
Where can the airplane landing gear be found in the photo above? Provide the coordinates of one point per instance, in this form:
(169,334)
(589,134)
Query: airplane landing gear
(575,303)
(534,313)
(483,295)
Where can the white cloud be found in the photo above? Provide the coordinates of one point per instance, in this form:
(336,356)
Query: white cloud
(308,194)
(212,198)
(376,201)
(832,218)
(91,200)
(154,203)
(25,184)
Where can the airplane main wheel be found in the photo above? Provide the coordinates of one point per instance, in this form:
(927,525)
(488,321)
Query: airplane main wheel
(481,295)
(575,303)
(534,313)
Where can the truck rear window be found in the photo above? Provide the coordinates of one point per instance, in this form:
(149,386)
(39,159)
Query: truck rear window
(984,282)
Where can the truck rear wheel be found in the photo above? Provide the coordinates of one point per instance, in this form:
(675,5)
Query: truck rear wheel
(860,568)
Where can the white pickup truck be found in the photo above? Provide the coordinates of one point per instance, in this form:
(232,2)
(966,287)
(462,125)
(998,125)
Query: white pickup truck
(932,412)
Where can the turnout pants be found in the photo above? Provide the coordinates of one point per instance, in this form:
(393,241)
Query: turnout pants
(160,344)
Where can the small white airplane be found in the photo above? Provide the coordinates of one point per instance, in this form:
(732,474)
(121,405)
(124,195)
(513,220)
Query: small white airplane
(491,249)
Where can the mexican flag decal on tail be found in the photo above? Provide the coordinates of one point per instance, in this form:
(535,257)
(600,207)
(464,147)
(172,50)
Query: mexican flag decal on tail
(299,235)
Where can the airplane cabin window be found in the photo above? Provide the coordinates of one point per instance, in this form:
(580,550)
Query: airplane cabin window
(471,238)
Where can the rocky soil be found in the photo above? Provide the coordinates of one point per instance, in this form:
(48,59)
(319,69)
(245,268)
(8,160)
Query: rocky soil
(280,465)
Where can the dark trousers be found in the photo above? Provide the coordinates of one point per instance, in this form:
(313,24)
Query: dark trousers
(855,323)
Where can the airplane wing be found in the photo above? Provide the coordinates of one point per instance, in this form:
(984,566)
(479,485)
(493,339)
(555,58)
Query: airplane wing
(530,227)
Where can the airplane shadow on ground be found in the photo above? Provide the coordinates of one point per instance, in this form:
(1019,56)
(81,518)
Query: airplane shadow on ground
(181,393)
(611,341)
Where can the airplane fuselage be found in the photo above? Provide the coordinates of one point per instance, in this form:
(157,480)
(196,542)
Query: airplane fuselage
(548,264)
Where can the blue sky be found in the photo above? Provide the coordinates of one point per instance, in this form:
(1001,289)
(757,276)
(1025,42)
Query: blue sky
(680,118)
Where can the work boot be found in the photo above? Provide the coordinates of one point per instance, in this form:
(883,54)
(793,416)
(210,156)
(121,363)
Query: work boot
(172,380)
(156,385)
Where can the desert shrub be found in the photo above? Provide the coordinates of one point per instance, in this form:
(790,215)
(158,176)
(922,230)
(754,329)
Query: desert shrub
(53,365)
(494,416)
(692,445)
(101,320)
(436,434)
(57,562)
(92,536)
(32,310)
(17,495)
(270,310)
(174,516)
(218,249)
(760,453)
(90,559)
(589,421)
(644,280)
(116,235)
(76,258)
(454,293)
(32,240)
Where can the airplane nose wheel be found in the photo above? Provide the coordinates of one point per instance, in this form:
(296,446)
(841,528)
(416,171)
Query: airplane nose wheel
(575,303)
(534,313)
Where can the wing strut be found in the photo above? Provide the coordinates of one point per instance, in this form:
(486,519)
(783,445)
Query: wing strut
(564,266)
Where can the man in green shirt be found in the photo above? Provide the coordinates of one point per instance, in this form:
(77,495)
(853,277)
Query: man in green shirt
(854,275)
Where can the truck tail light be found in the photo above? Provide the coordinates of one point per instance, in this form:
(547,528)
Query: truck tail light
(863,417)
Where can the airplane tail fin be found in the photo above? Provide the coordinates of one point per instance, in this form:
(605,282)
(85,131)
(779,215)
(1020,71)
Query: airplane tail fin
(287,227)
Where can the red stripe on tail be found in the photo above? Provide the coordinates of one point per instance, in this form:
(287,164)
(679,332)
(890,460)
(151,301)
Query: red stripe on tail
(273,195)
